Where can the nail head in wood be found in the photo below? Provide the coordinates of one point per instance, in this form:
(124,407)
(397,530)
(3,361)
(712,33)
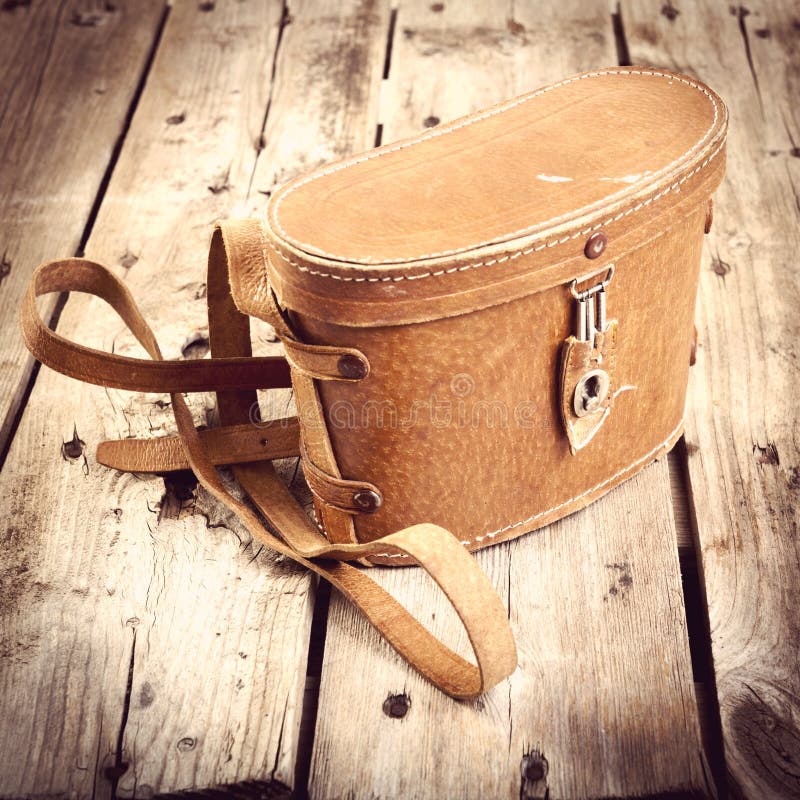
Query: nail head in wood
(534,771)
(534,768)
(595,245)
(396,705)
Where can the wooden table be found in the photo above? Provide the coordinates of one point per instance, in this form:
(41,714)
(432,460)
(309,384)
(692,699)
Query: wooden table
(147,648)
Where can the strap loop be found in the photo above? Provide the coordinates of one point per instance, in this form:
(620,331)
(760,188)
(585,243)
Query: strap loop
(326,363)
(245,253)
(123,372)
(354,497)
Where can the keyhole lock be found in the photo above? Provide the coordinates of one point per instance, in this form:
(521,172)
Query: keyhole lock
(591,392)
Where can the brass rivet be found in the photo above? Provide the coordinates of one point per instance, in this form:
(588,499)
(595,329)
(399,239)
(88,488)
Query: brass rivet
(367,500)
(595,245)
(352,367)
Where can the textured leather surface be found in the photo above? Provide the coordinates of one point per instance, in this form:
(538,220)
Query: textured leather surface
(335,492)
(479,393)
(320,362)
(231,260)
(240,289)
(464,349)
(564,153)
(482,164)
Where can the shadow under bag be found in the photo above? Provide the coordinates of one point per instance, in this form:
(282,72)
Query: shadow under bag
(486,328)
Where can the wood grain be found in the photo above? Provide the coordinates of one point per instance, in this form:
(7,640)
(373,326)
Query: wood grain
(327,82)
(741,438)
(145,647)
(69,73)
(603,702)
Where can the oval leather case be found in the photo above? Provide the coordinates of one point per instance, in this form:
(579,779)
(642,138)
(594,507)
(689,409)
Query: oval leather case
(521,283)
(486,328)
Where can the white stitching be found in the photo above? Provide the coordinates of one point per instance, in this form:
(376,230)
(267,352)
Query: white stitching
(500,259)
(469,121)
(540,514)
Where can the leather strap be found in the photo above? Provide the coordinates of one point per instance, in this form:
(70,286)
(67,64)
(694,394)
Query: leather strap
(237,262)
(122,372)
(233,444)
(477,604)
(337,492)
(325,363)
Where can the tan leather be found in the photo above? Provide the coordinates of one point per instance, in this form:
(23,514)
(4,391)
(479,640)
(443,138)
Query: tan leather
(338,493)
(575,152)
(422,292)
(515,190)
(502,365)
(321,362)
(236,266)
(234,444)
(122,372)
(578,359)
(460,298)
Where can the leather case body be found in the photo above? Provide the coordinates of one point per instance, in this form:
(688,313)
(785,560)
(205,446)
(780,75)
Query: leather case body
(467,265)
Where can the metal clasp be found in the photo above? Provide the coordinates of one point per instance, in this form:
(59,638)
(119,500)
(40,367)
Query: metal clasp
(591,392)
(591,308)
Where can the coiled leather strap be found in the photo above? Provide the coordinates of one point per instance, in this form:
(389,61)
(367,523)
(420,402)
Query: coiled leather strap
(234,374)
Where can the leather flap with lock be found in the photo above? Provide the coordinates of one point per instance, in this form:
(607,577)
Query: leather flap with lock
(588,366)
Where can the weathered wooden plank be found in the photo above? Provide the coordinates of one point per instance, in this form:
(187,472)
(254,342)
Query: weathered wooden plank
(69,75)
(327,83)
(603,703)
(332,59)
(742,444)
(145,647)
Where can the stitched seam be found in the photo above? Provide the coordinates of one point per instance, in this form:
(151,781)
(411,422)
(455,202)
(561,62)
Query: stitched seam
(509,256)
(561,505)
(472,120)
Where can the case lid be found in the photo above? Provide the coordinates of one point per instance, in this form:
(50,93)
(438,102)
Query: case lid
(496,204)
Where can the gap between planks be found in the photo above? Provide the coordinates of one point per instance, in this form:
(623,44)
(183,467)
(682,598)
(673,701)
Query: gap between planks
(741,432)
(54,173)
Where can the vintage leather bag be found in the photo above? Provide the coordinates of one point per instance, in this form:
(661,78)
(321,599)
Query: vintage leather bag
(486,328)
